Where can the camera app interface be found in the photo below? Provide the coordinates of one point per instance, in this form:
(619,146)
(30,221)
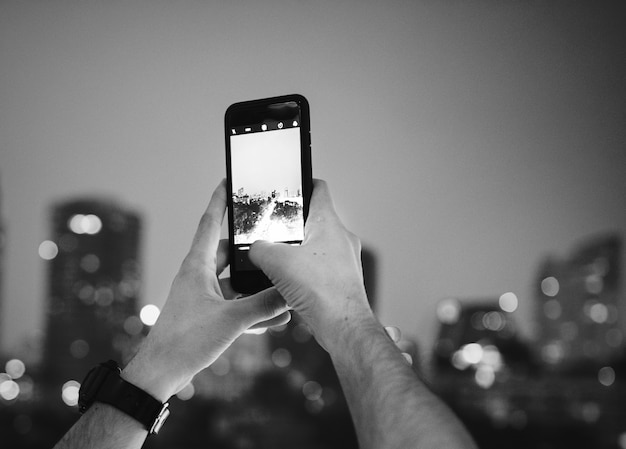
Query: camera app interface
(267,183)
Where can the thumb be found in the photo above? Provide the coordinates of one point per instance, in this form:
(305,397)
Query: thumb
(261,307)
(266,255)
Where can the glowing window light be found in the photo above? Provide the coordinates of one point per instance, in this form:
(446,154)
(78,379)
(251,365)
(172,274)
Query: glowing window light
(48,250)
(597,311)
(69,393)
(458,361)
(606,376)
(85,224)
(594,284)
(90,263)
(552,309)
(149,314)
(472,353)
(9,390)
(448,311)
(104,296)
(281,357)
(492,357)
(552,353)
(15,368)
(494,321)
(508,302)
(485,376)
(187,392)
(79,349)
(550,286)
(312,390)
(590,412)
(133,325)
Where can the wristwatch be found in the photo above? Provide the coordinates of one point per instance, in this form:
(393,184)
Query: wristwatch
(104,384)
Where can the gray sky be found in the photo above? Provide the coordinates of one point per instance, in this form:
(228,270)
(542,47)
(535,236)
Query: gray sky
(462,141)
(267,161)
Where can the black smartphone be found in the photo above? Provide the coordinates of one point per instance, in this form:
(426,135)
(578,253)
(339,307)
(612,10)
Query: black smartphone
(269,179)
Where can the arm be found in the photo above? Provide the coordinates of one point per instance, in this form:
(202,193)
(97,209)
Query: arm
(390,406)
(196,325)
(323,281)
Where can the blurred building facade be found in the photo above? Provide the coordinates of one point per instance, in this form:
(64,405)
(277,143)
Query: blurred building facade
(565,388)
(578,307)
(93,288)
(2,249)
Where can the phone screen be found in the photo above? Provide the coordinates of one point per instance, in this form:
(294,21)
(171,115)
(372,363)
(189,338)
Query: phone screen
(267,184)
(268,163)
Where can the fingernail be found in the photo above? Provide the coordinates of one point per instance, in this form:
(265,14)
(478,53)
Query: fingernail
(394,333)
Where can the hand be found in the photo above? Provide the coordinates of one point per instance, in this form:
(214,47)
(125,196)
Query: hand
(322,278)
(197,323)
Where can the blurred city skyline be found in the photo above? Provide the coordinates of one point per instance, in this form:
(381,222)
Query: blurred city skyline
(467,142)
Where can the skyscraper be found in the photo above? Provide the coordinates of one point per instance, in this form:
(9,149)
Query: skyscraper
(93,287)
(2,245)
(578,307)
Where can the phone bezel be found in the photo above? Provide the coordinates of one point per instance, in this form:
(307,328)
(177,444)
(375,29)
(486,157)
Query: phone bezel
(244,281)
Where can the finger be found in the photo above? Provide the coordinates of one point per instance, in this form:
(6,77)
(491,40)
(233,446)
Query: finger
(227,289)
(322,208)
(260,307)
(222,256)
(205,242)
(279,320)
(266,255)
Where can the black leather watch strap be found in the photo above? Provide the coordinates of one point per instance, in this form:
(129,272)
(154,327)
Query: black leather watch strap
(104,384)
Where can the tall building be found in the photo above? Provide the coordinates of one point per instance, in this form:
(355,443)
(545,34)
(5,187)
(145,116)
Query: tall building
(578,305)
(93,289)
(2,246)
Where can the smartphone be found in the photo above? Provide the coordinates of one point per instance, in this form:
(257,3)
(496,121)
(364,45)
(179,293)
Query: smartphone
(269,180)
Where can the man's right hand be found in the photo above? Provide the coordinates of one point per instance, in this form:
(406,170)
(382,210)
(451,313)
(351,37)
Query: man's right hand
(321,279)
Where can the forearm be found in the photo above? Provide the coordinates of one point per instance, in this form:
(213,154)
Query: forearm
(104,427)
(391,407)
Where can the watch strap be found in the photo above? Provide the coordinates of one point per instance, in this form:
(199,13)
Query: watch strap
(104,384)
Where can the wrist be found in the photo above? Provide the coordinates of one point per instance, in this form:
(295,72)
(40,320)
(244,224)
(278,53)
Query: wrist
(349,330)
(154,376)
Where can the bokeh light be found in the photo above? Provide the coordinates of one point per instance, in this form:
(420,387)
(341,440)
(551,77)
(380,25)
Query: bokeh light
(149,314)
(281,357)
(550,286)
(15,368)
(9,390)
(69,392)
(508,302)
(606,376)
(48,250)
(187,392)
(448,311)
(85,224)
